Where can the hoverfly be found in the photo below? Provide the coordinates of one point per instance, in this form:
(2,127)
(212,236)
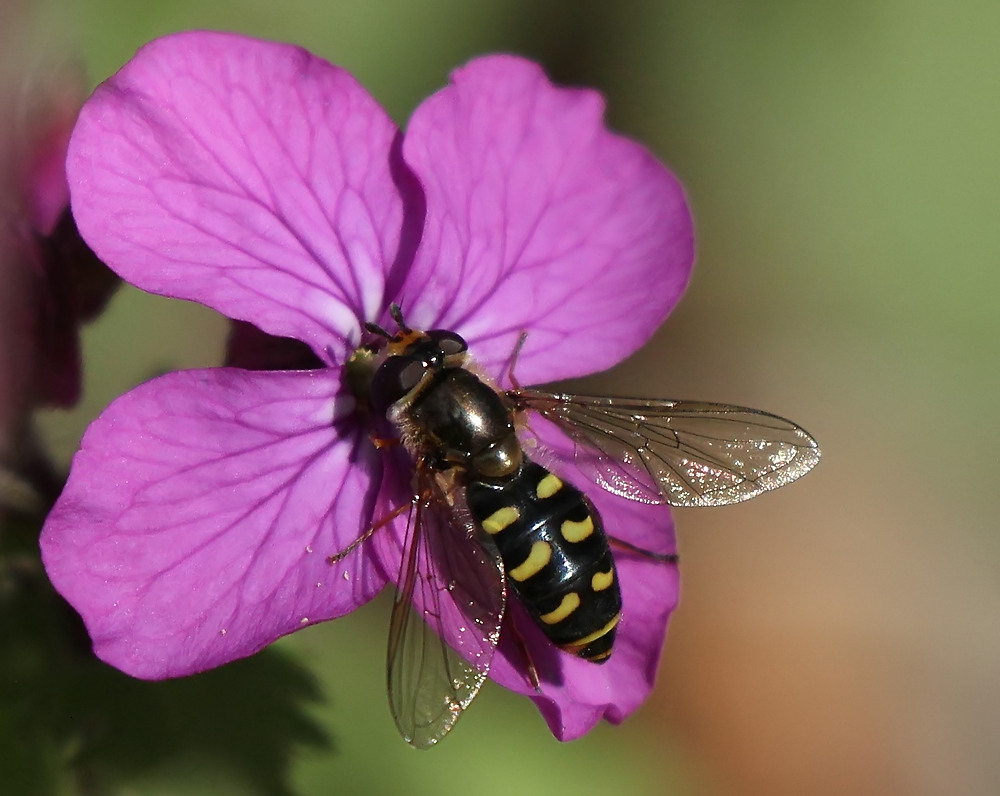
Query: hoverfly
(487,522)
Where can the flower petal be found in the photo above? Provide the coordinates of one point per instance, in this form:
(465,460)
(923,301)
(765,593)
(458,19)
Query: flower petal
(246,175)
(539,220)
(199,513)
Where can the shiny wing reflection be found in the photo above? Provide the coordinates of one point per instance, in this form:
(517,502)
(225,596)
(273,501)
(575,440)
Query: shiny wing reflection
(445,621)
(697,454)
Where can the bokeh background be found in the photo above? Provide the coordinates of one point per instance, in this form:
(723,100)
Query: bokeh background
(841,636)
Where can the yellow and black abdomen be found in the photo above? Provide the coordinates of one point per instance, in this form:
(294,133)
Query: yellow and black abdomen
(556,556)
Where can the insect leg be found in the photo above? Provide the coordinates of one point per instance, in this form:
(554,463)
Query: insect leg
(512,362)
(382,442)
(665,558)
(529,664)
(367,534)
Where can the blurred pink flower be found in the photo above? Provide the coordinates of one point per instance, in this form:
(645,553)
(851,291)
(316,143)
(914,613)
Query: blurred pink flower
(51,280)
(70,284)
(266,183)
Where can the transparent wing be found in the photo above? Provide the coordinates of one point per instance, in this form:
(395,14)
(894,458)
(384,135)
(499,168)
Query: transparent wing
(694,453)
(445,620)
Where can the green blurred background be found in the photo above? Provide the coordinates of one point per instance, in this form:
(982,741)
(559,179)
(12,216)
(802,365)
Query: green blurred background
(840,636)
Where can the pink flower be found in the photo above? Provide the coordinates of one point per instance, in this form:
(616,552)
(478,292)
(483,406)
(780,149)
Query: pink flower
(261,181)
(51,282)
(36,364)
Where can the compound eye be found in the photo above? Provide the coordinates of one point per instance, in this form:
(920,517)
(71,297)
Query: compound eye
(449,342)
(395,377)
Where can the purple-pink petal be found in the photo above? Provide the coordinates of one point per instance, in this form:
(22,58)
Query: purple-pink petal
(539,220)
(45,269)
(249,176)
(199,514)
(44,188)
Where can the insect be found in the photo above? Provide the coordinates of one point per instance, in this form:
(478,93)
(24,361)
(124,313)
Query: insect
(488,522)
